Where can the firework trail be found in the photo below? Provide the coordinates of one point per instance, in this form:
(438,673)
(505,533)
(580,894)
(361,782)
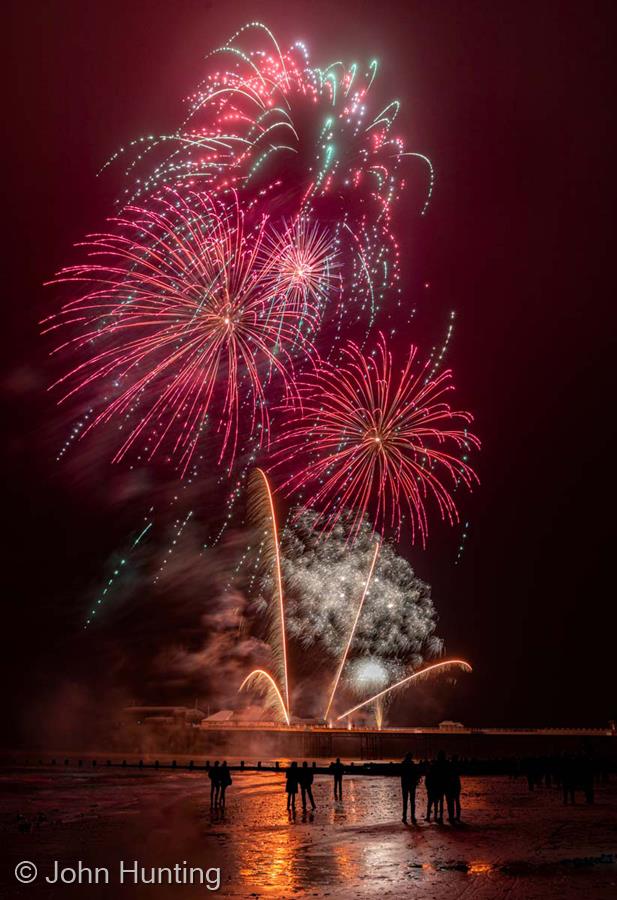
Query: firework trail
(352,632)
(369,439)
(272,693)
(263,516)
(118,570)
(443,664)
(182,326)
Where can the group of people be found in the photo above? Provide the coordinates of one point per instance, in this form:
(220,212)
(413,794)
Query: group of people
(302,778)
(299,777)
(220,780)
(569,772)
(442,781)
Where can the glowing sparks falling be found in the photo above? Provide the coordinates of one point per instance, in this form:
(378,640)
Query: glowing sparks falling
(353,631)
(261,109)
(273,694)
(251,241)
(308,141)
(182,327)
(263,515)
(325,577)
(369,439)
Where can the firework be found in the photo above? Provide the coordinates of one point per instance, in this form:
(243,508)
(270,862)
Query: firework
(370,439)
(263,220)
(325,578)
(259,678)
(368,674)
(182,326)
(263,114)
(439,666)
(394,623)
(309,141)
(352,631)
(305,268)
(263,516)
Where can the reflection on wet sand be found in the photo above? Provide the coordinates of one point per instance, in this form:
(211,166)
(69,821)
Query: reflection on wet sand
(271,863)
(347,866)
(354,848)
(479,868)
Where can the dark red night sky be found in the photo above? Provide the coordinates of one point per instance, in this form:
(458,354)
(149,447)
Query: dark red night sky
(512,102)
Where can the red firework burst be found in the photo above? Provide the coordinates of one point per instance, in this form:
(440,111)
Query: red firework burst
(305,265)
(183,325)
(307,140)
(368,439)
(260,108)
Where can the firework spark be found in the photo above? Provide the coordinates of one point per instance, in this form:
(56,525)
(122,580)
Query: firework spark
(324,578)
(273,695)
(200,308)
(353,631)
(443,664)
(263,516)
(369,439)
(370,673)
(262,110)
(182,325)
(306,140)
(305,271)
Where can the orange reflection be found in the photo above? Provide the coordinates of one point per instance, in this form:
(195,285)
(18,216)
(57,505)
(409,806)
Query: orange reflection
(479,868)
(271,862)
(346,865)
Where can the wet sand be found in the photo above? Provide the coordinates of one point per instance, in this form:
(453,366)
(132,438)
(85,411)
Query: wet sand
(513,843)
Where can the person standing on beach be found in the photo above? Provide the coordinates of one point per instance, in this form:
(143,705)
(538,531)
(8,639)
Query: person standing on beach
(453,791)
(429,784)
(409,782)
(441,774)
(224,783)
(306,782)
(291,786)
(215,784)
(337,768)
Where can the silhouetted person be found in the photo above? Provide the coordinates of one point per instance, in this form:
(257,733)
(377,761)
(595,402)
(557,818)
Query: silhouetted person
(215,784)
(440,773)
(410,776)
(291,785)
(306,782)
(429,784)
(453,791)
(337,768)
(224,783)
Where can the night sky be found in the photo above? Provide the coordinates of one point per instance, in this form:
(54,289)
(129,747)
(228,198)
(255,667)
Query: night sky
(512,102)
